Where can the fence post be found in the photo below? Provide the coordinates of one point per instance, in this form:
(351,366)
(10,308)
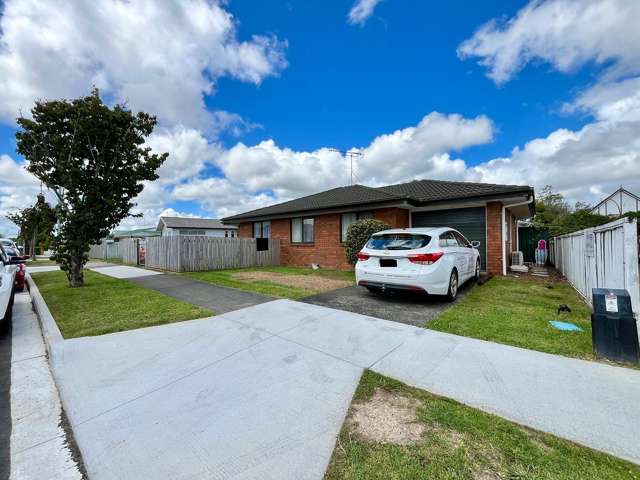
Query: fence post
(632,280)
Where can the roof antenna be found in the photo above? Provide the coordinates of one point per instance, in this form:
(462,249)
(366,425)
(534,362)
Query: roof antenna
(350,154)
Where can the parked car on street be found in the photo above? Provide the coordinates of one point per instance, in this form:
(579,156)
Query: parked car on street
(426,260)
(7,277)
(20,260)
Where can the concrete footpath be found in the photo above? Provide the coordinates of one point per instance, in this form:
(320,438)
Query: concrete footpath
(262,392)
(38,444)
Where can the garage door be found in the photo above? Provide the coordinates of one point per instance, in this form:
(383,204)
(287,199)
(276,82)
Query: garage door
(471,222)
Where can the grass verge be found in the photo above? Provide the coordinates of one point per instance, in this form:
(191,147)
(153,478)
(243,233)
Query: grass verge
(39,263)
(107,305)
(515,311)
(226,278)
(460,442)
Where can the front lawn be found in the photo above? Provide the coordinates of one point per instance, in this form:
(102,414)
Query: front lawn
(516,311)
(283,282)
(107,305)
(396,432)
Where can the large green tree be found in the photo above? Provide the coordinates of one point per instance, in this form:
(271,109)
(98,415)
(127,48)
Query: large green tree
(94,159)
(36,224)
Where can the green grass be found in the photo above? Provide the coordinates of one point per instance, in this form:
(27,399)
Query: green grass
(516,312)
(107,305)
(461,442)
(225,279)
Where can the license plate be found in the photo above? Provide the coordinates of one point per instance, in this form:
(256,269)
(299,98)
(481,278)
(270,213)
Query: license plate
(388,262)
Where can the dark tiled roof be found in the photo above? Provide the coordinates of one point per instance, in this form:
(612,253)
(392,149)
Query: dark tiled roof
(416,192)
(437,190)
(191,222)
(336,197)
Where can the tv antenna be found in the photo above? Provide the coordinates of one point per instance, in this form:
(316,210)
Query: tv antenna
(350,154)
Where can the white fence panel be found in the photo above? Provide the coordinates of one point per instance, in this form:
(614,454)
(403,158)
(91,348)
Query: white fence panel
(600,257)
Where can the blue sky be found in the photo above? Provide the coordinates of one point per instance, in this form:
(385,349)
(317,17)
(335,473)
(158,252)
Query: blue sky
(251,95)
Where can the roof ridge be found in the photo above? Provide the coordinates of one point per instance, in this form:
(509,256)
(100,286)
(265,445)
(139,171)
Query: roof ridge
(456,181)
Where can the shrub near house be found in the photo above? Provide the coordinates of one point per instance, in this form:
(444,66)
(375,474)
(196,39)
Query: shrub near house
(358,234)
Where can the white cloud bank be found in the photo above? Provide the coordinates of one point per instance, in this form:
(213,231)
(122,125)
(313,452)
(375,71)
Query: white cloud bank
(583,164)
(361,11)
(163,57)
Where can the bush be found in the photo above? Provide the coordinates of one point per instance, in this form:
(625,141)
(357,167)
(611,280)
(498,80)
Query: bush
(358,233)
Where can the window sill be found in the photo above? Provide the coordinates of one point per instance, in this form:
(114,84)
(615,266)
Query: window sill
(302,244)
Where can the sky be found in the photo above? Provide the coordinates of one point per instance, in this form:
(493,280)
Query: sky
(254,98)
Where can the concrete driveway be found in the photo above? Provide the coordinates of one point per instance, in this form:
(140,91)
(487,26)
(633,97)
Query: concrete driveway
(411,309)
(262,392)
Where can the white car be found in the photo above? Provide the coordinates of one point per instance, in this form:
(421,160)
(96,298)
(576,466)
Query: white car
(427,260)
(7,277)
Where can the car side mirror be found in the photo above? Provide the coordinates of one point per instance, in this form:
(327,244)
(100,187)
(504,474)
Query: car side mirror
(475,244)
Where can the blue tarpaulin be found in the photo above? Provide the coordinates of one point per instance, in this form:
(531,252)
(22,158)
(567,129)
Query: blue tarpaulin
(570,327)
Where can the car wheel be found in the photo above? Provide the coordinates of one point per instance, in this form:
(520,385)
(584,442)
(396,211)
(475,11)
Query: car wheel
(477,274)
(452,293)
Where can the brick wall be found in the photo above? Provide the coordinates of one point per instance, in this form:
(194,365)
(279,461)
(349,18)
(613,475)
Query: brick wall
(327,249)
(494,238)
(395,217)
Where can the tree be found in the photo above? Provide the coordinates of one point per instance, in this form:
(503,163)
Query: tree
(358,233)
(36,224)
(92,157)
(555,214)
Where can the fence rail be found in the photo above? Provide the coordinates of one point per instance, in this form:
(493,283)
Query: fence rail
(600,257)
(191,253)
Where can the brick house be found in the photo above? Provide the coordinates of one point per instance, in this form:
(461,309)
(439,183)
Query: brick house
(312,229)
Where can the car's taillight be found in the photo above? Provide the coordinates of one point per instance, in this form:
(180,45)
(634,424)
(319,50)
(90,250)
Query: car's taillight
(362,256)
(425,258)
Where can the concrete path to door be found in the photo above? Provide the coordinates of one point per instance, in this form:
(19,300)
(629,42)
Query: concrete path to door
(262,392)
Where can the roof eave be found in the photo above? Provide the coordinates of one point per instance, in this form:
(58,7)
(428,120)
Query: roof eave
(320,211)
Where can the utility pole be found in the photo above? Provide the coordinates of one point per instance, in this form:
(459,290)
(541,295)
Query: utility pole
(350,154)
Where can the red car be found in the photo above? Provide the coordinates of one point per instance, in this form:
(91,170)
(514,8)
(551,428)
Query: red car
(18,283)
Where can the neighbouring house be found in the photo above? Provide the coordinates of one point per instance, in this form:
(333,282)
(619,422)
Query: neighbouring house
(312,229)
(618,203)
(208,227)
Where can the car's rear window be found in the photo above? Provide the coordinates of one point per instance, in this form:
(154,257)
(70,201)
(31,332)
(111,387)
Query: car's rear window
(398,241)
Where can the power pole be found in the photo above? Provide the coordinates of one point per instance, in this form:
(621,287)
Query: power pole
(350,154)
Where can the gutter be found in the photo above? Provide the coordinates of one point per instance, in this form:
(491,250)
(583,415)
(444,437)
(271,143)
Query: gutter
(504,243)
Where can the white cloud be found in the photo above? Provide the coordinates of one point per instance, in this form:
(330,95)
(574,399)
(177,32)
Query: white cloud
(585,165)
(361,11)
(421,150)
(189,153)
(563,33)
(163,57)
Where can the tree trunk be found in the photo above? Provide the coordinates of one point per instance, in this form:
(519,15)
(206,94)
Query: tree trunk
(76,271)
(33,243)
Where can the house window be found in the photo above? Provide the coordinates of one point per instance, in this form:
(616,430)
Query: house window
(349,218)
(188,231)
(262,229)
(302,230)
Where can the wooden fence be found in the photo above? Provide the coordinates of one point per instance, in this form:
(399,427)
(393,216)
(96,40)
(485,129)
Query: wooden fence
(126,250)
(603,257)
(197,253)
